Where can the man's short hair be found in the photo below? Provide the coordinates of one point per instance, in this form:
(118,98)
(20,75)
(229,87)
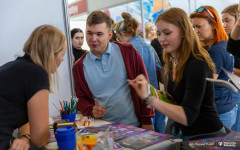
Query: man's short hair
(98,17)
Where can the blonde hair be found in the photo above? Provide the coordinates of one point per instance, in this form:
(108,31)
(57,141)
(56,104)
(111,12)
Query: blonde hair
(190,43)
(114,36)
(232,10)
(43,46)
(128,25)
(148,27)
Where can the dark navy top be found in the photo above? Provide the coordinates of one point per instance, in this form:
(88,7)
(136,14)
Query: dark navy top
(223,96)
(19,81)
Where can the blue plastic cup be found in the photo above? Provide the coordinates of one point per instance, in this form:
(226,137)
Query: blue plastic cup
(66,139)
(70,117)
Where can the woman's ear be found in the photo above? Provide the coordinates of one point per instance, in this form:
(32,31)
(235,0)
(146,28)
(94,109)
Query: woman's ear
(110,35)
(123,34)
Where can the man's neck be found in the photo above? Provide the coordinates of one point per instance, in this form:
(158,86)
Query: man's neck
(100,54)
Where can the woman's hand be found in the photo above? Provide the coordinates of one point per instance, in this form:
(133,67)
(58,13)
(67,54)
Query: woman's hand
(235,34)
(140,84)
(20,144)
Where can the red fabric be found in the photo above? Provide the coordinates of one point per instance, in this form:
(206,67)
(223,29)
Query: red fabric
(134,66)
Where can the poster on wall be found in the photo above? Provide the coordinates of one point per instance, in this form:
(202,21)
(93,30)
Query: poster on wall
(152,8)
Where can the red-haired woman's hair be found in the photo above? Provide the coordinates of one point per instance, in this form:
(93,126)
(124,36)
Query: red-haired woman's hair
(220,33)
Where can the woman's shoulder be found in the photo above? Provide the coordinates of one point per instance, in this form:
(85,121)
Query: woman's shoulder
(147,41)
(27,66)
(137,40)
(196,68)
(23,69)
(194,62)
(222,45)
(141,44)
(219,49)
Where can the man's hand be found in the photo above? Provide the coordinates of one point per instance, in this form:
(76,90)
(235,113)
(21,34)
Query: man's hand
(20,144)
(98,111)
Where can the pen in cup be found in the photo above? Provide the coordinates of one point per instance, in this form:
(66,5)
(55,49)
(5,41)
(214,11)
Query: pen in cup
(56,107)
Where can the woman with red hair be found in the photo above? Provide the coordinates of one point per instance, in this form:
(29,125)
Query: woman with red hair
(208,26)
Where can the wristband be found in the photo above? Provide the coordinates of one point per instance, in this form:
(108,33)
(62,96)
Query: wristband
(27,136)
(148,99)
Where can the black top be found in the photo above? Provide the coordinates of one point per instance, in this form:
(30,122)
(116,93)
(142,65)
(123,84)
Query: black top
(236,62)
(20,80)
(196,96)
(157,46)
(233,47)
(78,53)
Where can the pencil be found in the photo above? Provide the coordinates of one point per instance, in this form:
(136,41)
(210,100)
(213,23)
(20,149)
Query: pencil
(56,107)
(63,111)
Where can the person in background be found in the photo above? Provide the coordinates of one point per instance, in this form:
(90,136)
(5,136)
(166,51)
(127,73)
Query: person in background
(77,37)
(230,16)
(24,98)
(140,32)
(101,77)
(150,31)
(208,26)
(233,45)
(127,32)
(114,36)
(157,46)
(188,65)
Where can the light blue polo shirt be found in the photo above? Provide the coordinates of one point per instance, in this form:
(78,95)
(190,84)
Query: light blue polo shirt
(107,80)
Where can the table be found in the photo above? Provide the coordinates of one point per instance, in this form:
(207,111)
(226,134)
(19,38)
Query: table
(167,144)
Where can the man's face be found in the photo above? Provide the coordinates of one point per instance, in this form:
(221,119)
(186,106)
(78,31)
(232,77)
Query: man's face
(97,37)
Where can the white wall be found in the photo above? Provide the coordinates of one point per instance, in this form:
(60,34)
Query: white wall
(18,19)
(82,26)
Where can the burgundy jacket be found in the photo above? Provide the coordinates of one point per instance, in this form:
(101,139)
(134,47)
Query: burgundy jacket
(134,66)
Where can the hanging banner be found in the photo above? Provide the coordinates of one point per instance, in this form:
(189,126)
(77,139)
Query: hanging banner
(77,8)
(105,4)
